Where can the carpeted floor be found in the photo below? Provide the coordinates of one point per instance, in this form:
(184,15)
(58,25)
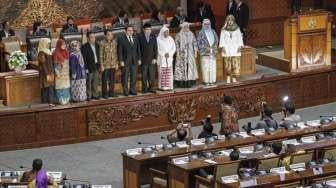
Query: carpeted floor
(100,162)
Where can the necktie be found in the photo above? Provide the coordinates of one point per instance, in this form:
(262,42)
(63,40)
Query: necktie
(130,40)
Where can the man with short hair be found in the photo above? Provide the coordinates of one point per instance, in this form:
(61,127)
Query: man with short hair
(289,116)
(267,122)
(70,26)
(149,53)
(228,117)
(109,63)
(129,56)
(121,20)
(90,52)
(181,133)
(178,18)
(6,31)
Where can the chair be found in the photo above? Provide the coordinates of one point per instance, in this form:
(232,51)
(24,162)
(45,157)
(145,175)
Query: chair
(8,46)
(159,178)
(203,182)
(69,37)
(303,158)
(32,45)
(289,185)
(266,164)
(330,153)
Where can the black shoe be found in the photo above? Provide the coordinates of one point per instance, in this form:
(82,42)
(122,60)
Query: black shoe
(96,98)
(112,95)
(132,93)
(152,91)
(105,97)
(125,94)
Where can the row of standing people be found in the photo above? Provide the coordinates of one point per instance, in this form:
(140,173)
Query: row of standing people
(80,68)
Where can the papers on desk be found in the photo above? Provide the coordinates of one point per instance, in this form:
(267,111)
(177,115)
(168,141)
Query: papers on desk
(318,171)
(291,141)
(314,123)
(230,179)
(302,125)
(182,144)
(308,139)
(246,150)
(181,160)
(221,137)
(198,142)
(298,167)
(248,182)
(210,161)
(133,152)
(17,186)
(56,176)
(258,132)
(243,134)
(225,152)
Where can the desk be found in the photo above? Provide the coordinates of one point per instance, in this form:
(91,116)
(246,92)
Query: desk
(136,168)
(20,88)
(182,176)
(273,179)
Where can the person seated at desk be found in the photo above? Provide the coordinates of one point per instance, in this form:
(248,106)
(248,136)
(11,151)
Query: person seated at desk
(157,18)
(287,158)
(37,177)
(181,133)
(178,18)
(38,29)
(121,20)
(290,117)
(70,26)
(6,31)
(207,129)
(267,122)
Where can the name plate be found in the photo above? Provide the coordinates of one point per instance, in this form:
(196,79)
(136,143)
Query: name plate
(298,167)
(182,144)
(301,125)
(133,152)
(314,123)
(180,160)
(291,141)
(101,186)
(278,170)
(56,176)
(243,134)
(230,179)
(198,142)
(308,139)
(246,150)
(258,132)
(249,182)
(221,137)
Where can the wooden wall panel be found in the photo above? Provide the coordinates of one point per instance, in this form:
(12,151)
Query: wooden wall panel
(151,113)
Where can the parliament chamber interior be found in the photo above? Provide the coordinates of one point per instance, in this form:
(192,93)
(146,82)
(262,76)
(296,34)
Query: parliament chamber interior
(167,93)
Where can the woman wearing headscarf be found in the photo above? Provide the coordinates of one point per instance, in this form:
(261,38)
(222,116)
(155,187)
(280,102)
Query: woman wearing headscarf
(166,51)
(186,52)
(61,65)
(231,42)
(207,42)
(77,73)
(47,76)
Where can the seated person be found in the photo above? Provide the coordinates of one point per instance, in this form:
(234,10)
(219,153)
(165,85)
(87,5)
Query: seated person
(6,31)
(287,158)
(267,122)
(181,133)
(289,115)
(37,177)
(276,148)
(39,30)
(70,26)
(178,18)
(121,20)
(234,155)
(207,130)
(157,18)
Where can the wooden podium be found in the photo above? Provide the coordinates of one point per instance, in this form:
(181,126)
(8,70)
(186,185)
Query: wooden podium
(307,40)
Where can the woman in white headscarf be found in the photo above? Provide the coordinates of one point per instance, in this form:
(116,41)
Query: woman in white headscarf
(185,74)
(231,42)
(166,51)
(207,42)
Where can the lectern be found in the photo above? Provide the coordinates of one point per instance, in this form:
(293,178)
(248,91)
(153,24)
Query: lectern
(307,40)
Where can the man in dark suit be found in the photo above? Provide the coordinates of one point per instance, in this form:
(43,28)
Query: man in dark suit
(296,6)
(178,18)
(90,52)
(149,52)
(230,8)
(129,57)
(121,20)
(242,16)
(204,11)
(70,26)
(6,32)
